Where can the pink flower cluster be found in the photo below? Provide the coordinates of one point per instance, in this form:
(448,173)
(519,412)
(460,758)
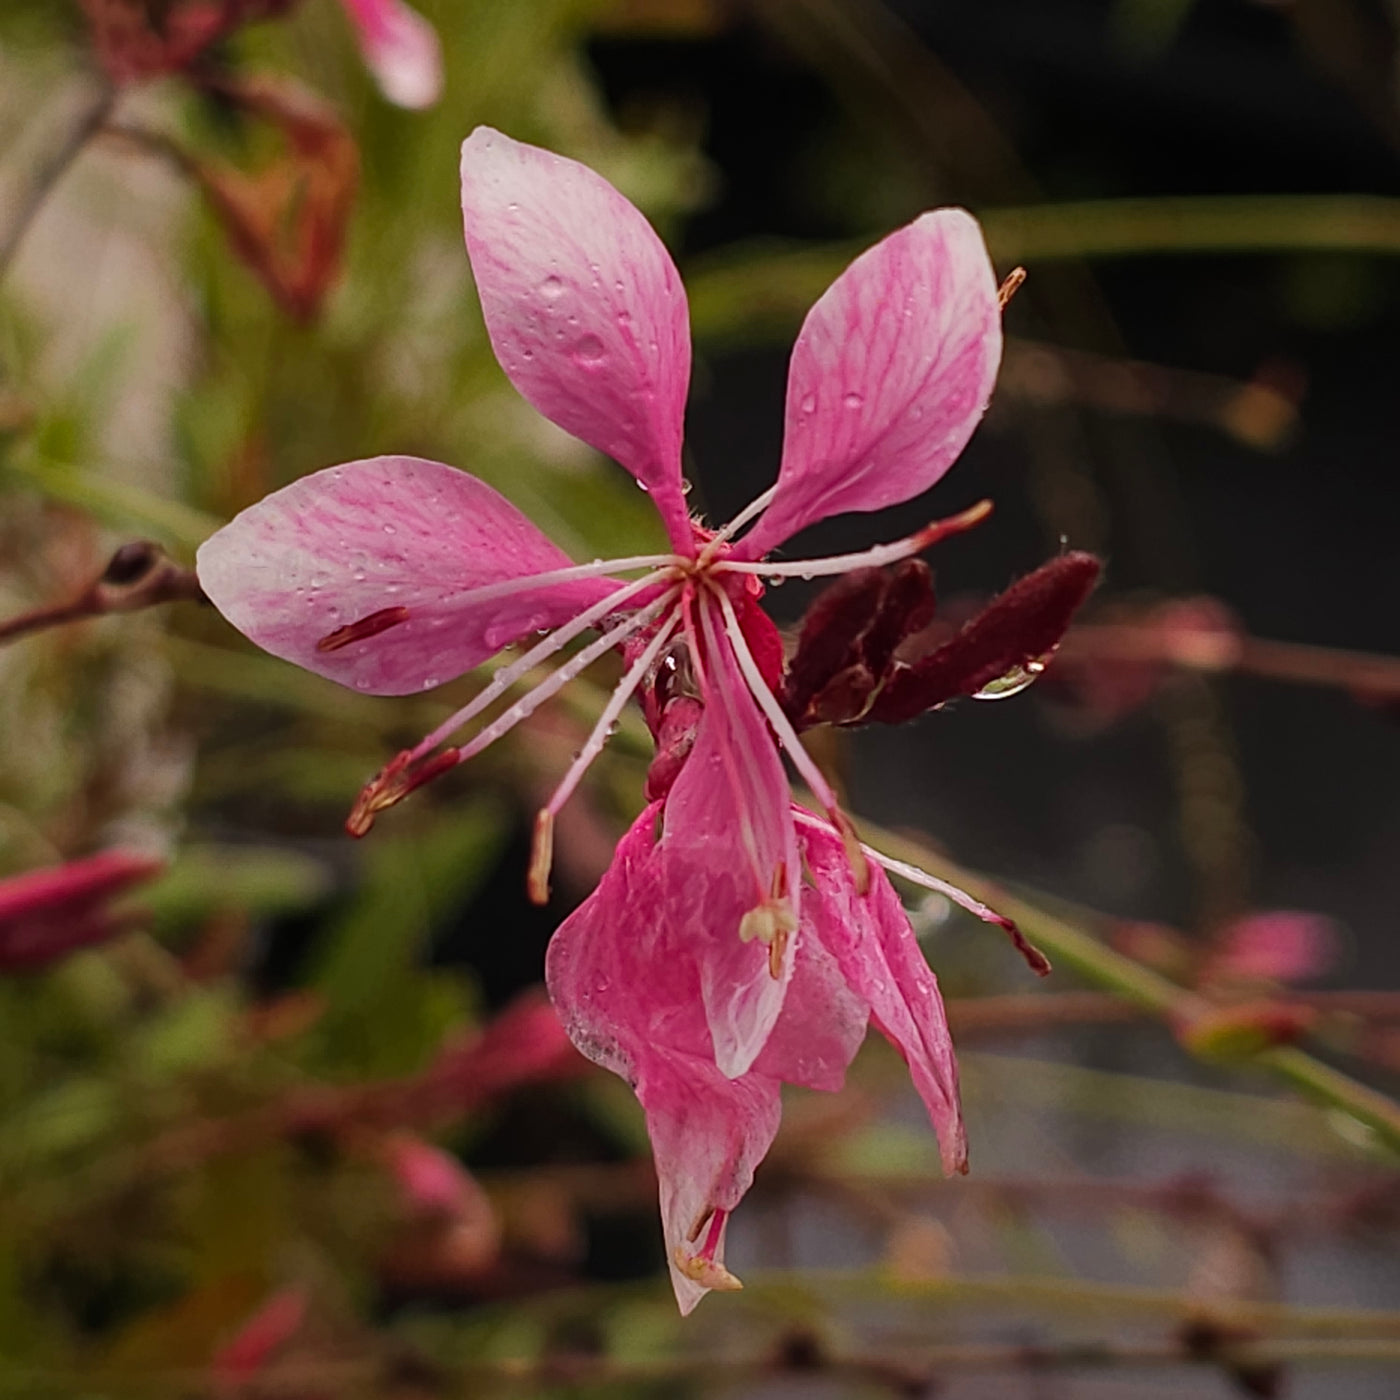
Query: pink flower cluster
(738,941)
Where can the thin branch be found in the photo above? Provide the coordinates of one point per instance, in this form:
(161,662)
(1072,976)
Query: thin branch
(45,177)
(139,575)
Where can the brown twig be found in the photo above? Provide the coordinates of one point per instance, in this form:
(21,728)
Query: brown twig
(139,575)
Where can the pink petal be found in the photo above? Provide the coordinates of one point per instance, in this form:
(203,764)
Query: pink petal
(891,373)
(728,832)
(625,980)
(708,1134)
(823,1021)
(400,48)
(1282,945)
(620,978)
(364,542)
(584,307)
(880,959)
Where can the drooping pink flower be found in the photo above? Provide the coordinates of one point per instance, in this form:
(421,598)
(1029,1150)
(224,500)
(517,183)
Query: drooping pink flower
(46,914)
(701,968)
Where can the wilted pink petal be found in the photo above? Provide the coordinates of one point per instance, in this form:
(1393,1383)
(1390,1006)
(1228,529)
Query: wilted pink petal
(881,961)
(1276,945)
(357,573)
(890,375)
(400,48)
(732,879)
(585,309)
(47,913)
(249,1350)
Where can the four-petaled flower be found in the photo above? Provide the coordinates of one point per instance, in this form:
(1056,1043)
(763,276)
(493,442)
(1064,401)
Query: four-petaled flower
(737,941)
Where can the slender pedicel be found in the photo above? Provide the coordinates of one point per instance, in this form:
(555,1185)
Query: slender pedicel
(1038,962)
(542,850)
(541,651)
(756,506)
(869,558)
(787,736)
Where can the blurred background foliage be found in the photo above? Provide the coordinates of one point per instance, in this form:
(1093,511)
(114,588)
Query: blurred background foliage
(259,1142)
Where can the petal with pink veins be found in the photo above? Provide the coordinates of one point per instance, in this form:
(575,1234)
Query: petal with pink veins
(708,1134)
(880,959)
(584,307)
(620,979)
(358,573)
(400,48)
(729,847)
(890,374)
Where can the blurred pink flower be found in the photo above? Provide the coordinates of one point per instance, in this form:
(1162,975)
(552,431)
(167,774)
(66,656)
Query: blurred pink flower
(400,48)
(251,1348)
(394,574)
(47,913)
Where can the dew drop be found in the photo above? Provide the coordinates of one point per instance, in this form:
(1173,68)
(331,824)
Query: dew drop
(589,351)
(776,581)
(1013,682)
(359,576)
(552,288)
(809,404)
(431,683)
(390,530)
(854,401)
(643,484)
(362,683)
(686,485)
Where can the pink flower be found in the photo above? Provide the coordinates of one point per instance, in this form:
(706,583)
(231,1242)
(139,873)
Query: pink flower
(400,48)
(701,968)
(46,914)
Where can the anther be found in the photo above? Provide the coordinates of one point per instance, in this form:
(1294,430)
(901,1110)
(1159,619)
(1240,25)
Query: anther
(365,628)
(541,857)
(855,857)
(393,783)
(1011,286)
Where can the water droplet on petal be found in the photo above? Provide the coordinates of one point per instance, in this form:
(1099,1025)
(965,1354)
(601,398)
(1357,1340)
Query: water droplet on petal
(552,288)
(854,401)
(1013,682)
(643,484)
(589,352)
(390,530)
(809,404)
(431,683)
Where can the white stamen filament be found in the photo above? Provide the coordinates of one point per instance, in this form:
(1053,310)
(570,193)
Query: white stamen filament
(554,683)
(620,696)
(787,735)
(869,558)
(541,855)
(925,881)
(541,651)
(525,582)
(756,506)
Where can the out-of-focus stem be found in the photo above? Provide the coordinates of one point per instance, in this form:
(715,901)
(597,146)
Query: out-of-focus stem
(45,177)
(1303,664)
(1074,948)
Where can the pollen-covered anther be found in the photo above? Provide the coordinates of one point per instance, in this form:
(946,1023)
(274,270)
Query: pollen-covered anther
(394,782)
(700,1265)
(772,921)
(1010,286)
(362,630)
(541,857)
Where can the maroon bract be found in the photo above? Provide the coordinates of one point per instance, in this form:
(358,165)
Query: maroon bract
(395,574)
